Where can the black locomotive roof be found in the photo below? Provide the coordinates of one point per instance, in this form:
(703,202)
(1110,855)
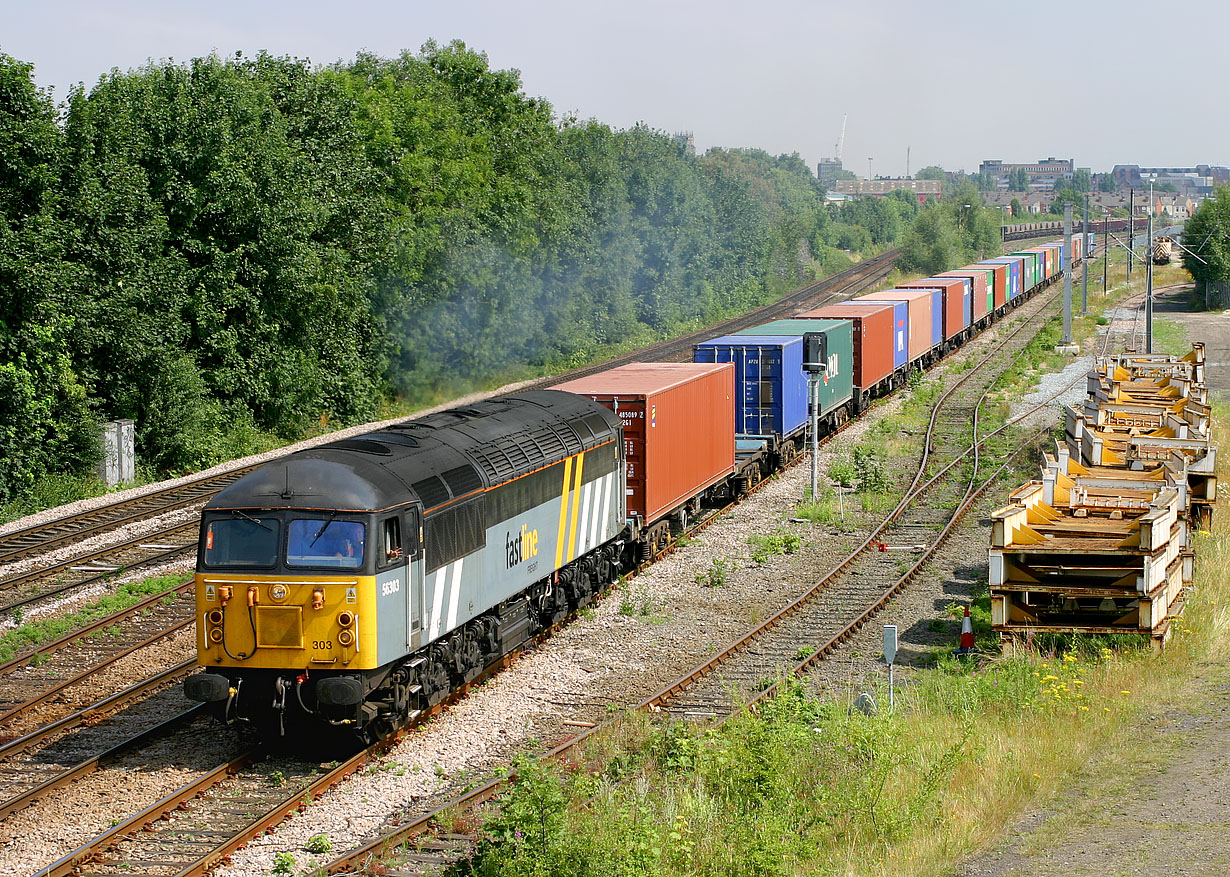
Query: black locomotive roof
(433,459)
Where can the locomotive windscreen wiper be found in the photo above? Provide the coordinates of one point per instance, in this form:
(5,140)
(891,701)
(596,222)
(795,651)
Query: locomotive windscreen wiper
(237,513)
(322,529)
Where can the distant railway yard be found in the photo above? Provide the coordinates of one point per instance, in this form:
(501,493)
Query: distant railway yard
(106,767)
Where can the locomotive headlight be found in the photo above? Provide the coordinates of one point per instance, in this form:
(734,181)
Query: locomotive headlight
(345,637)
(214,616)
(215,635)
(345,619)
(278,592)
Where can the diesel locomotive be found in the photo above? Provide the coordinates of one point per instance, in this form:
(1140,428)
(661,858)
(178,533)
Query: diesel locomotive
(357,583)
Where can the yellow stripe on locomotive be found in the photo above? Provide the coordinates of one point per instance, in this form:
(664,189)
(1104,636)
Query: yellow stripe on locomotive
(309,622)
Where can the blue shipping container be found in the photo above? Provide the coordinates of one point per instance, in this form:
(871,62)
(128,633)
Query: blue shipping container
(770,387)
(1014,273)
(901,329)
(967,300)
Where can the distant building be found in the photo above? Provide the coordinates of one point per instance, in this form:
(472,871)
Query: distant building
(924,189)
(1042,173)
(1194,182)
(829,170)
(687,141)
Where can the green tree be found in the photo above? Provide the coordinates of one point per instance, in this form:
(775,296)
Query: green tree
(1106,183)
(932,244)
(227,238)
(1017,209)
(46,421)
(932,172)
(1082,181)
(1207,234)
(1066,196)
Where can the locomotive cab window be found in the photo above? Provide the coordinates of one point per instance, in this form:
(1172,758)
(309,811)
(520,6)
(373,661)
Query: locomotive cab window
(390,542)
(242,541)
(325,542)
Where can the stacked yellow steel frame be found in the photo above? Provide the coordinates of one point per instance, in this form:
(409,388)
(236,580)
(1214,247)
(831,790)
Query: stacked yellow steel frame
(1102,542)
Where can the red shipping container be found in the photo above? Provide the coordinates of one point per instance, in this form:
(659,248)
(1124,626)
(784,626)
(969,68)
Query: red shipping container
(979,276)
(953,291)
(923,335)
(873,338)
(679,428)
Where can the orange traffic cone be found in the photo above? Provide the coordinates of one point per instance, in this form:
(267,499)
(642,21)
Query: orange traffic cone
(967,633)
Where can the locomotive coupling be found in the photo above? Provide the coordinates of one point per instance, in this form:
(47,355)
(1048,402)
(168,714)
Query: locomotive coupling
(207,687)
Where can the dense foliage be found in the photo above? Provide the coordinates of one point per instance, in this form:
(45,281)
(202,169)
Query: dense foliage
(229,251)
(1207,235)
(956,231)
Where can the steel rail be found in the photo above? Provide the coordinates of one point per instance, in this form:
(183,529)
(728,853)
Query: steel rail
(92,764)
(57,570)
(45,696)
(94,710)
(38,538)
(93,627)
(358,860)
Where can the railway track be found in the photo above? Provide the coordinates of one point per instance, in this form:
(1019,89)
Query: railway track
(40,679)
(25,589)
(174,839)
(752,665)
(911,531)
(40,538)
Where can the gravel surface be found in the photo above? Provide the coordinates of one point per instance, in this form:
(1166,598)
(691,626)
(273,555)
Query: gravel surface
(67,818)
(638,638)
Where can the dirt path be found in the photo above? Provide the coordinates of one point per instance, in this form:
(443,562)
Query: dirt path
(1165,808)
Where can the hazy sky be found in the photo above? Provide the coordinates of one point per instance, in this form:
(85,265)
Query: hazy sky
(956,82)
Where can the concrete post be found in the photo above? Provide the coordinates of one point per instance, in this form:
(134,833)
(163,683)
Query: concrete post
(109,465)
(128,450)
(1067,276)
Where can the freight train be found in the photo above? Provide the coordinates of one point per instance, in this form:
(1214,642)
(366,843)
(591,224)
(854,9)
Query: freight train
(354,585)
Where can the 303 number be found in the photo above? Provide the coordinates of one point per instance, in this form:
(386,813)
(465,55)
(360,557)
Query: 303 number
(321,645)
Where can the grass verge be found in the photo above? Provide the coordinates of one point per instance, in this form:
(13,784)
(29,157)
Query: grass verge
(35,633)
(804,786)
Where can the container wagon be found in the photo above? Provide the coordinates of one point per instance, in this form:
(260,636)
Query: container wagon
(878,345)
(679,438)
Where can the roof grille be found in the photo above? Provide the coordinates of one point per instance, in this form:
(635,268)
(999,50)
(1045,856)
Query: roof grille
(431,491)
(462,480)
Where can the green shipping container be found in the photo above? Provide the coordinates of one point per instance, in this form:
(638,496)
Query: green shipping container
(1033,273)
(837,385)
(990,273)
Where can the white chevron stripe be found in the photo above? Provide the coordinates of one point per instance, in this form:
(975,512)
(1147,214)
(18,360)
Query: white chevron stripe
(583,533)
(437,603)
(454,595)
(606,504)
(593,529)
